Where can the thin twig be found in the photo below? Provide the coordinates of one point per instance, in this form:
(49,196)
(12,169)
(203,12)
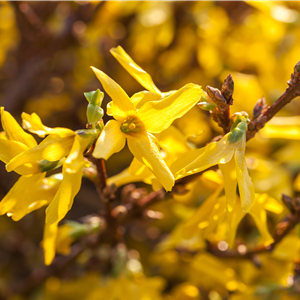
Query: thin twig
(290,93)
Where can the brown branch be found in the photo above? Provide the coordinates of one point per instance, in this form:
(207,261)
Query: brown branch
(267,114)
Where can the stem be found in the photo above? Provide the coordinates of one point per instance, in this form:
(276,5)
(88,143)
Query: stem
(290,93)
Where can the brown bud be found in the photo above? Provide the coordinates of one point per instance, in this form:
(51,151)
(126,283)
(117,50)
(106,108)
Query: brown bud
(217,97)
(297,70)
(296,75)
(227,89)
(259,107)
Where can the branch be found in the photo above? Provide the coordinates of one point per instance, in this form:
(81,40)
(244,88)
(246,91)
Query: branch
(268,113)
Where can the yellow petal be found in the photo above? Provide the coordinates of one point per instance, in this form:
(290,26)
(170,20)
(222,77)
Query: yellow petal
(110,141)
(34,124)
(70,186)
(246,187)
(271,204)
(125,177)
(39,195)
(216,216)
(200,217)
(230,182)
(159,115)
(49,242)
(144,147)
(139,99)
(234,218)
(172,141)
(14,131)
(260,217)
(201,159)
(10,149)
(52,148)
(63,240)
(122,103)
(136,167)
(19,198)
(134,70)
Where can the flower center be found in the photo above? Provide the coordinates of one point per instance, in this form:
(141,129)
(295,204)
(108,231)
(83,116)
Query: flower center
(132,124)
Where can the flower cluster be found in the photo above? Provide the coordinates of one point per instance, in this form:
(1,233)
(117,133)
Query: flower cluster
(146,122)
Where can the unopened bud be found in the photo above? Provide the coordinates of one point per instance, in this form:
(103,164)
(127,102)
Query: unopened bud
(94,97)
(259,107)
(217,97)
(227,89)
(94,113)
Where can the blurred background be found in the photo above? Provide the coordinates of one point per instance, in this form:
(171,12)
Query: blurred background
(47,48)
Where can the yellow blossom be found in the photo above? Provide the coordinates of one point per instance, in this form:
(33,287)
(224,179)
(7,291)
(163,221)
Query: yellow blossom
(136,125)
(228,153)
(14,141)
(33,190)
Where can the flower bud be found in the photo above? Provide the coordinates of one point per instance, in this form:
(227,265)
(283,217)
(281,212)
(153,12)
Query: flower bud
(94,111)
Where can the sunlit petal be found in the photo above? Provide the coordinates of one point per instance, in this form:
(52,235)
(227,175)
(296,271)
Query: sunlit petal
(230,182)
(70,186)
(201,159)
(159,115)
(20,194)
(172,141)
(110,141)
(139,99)
(122,103)
(14,131)
(246,187)
(34,124)
(134,70)
(200,217)
(52,148)
(49,242)
(144,147)
(260,217)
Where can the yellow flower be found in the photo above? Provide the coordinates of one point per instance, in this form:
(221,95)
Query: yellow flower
(29,193)
(138,124)
(13,141)
(173,144)
(228,153)
(32,191)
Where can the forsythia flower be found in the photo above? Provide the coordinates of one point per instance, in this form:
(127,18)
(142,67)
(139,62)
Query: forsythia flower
(137,124)
(13,141)
(228,153)
(60,142)
(22,154)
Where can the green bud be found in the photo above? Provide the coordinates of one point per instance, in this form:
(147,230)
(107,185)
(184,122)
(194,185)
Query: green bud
(46,165)
(94,113)
(238,132)
(94,97)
